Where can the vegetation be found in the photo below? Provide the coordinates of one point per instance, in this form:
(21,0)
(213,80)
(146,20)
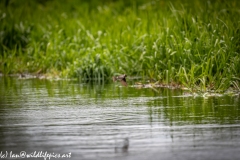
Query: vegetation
(192,43)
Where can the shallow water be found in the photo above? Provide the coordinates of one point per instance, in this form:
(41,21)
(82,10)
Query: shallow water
(91,121)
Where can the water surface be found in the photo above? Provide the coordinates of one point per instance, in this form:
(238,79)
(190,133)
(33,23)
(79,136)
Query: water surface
(92,120)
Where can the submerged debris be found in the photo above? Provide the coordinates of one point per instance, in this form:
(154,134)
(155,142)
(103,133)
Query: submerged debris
(189,91)
(157,85)
(122,146)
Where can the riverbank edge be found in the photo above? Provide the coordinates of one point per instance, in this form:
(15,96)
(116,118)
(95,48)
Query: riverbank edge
(194,91)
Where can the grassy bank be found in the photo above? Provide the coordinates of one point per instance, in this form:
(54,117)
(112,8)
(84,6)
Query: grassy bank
(195,44)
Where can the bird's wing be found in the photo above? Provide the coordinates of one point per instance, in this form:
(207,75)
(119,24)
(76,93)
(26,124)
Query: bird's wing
(123,82)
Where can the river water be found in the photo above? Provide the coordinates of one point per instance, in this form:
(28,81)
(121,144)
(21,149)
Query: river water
(85,121)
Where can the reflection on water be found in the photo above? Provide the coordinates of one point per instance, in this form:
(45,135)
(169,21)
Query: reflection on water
(93,121)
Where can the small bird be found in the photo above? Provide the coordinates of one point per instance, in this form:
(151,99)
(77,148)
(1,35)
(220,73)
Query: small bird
(122,79)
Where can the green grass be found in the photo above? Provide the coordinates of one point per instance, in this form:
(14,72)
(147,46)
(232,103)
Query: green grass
(192,43)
